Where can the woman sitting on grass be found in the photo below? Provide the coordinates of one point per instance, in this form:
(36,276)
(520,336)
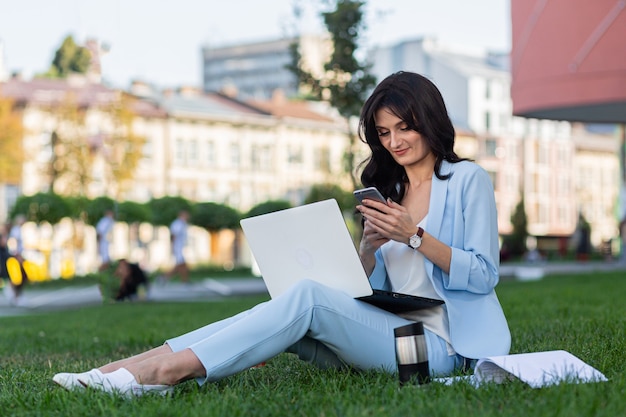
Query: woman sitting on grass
(436,237)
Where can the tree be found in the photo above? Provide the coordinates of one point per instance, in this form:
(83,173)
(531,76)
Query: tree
(516,242)
(74,148)
(321,192)
(78,206)
(269,206)
(42,207)
(215,217)
(71,162)
(122,148)
(165,209)
(96,209)
(347,81)
(132,212)
(69,58)
(11,137)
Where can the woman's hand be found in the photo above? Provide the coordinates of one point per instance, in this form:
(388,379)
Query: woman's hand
(393,221)
(386,222)
(370,242)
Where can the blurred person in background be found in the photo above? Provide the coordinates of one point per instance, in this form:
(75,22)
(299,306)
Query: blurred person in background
(12,248)
(178,236)
(103,230)
(4,256)
(133,281)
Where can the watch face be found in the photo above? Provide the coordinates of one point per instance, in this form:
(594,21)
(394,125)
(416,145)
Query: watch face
(415,241)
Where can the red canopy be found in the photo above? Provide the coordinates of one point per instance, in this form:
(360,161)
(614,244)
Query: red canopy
(568,60)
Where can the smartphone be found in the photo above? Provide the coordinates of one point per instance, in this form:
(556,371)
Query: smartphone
(370,192)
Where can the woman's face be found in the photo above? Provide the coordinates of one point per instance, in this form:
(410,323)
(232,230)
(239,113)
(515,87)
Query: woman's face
(406,146)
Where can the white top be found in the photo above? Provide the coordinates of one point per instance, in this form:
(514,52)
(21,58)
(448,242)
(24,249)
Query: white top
(178,229)
(407,275)
(104,226)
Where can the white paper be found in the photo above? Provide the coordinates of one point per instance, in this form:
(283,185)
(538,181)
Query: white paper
(537,369)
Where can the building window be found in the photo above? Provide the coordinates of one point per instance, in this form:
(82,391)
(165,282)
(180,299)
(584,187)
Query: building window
(294,155)
(563,187)
(234,155)
(512,151)
(487,120)
(511,184)
(562,213)
(562,156)
(543,184)
(192,152)
(260,157)
(209,153)
(544,153)
(543,214)
(179,152)
(322,160)
(490,147)
(147,150)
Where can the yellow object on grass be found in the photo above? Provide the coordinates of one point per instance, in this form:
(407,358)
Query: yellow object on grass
(15,271)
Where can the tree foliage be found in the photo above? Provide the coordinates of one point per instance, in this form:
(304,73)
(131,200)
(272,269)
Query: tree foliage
(42,207)
(320,192)
(70,58)
(11,137)
(74,147)
(78,206)
(71,163)
(346,81)
(215,217)
(96,208)
(133,212)
(165,209)
(516,241)
(269,206)
(122,147)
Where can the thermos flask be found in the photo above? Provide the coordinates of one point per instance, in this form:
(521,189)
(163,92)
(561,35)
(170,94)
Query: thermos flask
(412,353)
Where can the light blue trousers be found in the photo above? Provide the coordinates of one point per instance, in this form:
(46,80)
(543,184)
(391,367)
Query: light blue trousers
(321,325)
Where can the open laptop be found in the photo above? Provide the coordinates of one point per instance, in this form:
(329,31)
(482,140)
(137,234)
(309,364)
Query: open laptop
(313,242)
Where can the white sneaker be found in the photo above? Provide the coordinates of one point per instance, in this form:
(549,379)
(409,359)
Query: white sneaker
(70,381)
(123,383)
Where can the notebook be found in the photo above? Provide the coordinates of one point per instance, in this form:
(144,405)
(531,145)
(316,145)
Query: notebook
(313,242)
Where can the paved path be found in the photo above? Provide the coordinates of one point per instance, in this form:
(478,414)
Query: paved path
(35,300)
(530,271)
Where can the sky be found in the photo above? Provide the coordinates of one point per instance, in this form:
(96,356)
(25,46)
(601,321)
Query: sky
(160,41)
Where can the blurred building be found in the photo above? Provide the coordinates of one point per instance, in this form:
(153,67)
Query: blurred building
(256,70)
(216,148)
(201,146)
(537,159)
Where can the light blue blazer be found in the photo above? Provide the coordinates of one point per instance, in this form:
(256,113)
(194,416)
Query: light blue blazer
(462,214)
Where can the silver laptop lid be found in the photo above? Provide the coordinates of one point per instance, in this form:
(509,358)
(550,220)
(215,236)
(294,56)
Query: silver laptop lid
(306,242)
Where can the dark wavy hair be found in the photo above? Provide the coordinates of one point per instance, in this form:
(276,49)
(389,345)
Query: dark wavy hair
(417,101)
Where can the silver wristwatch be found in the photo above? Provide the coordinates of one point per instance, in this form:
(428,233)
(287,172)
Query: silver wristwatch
(415,241)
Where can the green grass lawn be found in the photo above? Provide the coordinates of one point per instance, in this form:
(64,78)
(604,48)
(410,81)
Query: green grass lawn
(583,314)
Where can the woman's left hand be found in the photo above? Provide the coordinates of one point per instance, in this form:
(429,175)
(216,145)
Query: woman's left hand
(390,220)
